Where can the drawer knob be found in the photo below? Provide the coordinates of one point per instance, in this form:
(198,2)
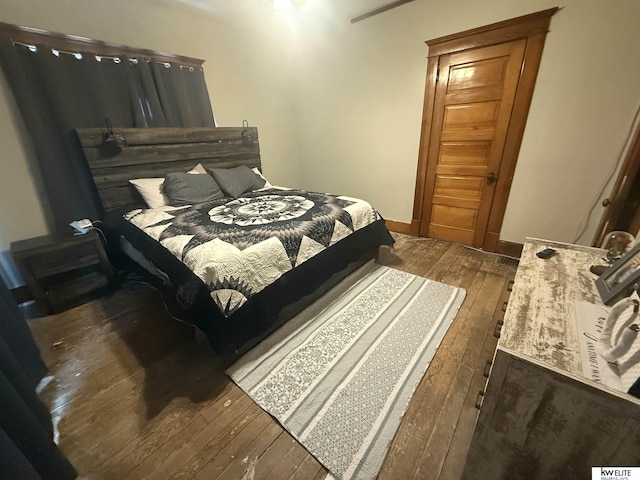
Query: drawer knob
(497,330)
(487,368)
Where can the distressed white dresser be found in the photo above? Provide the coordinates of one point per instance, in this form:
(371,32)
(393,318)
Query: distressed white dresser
(540,416)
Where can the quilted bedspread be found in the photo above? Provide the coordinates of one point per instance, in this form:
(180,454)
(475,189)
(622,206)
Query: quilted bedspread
(238,247)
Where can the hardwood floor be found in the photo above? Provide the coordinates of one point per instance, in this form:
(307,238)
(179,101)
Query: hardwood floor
(135,396)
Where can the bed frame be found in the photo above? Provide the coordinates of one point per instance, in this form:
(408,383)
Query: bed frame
(154,152)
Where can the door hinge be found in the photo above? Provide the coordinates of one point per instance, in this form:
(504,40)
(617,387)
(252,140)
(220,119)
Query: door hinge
(437,74)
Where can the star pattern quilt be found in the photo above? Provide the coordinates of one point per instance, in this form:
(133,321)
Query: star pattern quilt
(239,246)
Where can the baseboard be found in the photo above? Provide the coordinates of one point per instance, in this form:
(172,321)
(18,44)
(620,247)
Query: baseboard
(21,294)
(509,248)
(401,227)
(502,246)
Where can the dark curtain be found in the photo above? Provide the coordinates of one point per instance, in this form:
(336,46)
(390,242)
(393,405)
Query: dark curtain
(15,332)
(58,93)
(181,93)
(27,450)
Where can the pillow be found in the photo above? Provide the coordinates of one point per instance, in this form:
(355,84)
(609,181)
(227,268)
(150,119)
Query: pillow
(185,188)
(150,189)
(236,181)
(259,173)
(198,169)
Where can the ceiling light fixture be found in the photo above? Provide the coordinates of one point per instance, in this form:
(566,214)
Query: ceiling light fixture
(282,5)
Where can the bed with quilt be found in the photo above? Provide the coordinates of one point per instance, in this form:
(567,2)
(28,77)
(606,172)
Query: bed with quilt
(238,256)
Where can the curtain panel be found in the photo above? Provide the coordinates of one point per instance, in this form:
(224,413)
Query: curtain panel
(57,92)
(27,450)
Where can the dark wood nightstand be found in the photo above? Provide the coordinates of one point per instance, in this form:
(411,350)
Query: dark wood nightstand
(59,269)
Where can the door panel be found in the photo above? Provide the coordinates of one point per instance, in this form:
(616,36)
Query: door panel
(470,115)
(455,216)
(454,234)
(472,108)
(468,153)
(481,74)
(456,202)
(458,187)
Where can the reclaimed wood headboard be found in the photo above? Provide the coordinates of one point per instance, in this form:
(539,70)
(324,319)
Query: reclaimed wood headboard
(154,152)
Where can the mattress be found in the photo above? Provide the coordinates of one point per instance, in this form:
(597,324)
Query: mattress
(235,264)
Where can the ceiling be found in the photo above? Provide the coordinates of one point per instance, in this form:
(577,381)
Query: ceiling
(343,8)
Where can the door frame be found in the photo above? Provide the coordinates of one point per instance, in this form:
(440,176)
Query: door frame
(621,192)
(533,28)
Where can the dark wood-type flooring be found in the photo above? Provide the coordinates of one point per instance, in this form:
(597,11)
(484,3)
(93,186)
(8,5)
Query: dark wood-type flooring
(135,396)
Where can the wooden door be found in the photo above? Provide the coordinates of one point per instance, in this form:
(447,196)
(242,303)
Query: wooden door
(477,95)
(474,98)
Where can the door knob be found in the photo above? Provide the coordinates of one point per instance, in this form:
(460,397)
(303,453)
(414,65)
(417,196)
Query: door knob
(491,178)
(606,202)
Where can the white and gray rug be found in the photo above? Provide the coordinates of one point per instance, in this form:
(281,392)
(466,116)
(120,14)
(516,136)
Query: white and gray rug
(340,376)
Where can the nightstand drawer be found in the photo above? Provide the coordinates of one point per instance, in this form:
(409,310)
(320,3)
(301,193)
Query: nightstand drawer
(63,260)
(60,269)
(63,292)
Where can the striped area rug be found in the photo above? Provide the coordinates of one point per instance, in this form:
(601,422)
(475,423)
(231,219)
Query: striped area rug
(340,376)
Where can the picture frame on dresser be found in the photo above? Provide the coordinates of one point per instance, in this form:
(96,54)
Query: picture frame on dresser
(621,279)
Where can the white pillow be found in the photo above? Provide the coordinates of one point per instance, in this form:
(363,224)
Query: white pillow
(266,182)
(198,169)
(151,190)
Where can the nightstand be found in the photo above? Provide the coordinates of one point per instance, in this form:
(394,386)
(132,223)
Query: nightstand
(60,269)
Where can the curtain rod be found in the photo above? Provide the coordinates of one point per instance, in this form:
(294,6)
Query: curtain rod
(116,59)
(62,42)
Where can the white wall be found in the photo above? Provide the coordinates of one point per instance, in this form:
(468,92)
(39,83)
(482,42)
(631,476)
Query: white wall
(361,89)
(247,69)
(339,105)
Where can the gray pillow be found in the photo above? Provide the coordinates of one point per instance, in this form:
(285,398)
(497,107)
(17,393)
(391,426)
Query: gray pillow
(184,188)
(236,181)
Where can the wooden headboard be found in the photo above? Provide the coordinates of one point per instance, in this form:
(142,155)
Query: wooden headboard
(154,152)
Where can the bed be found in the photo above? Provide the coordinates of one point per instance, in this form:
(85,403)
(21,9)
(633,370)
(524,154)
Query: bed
(238,263)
